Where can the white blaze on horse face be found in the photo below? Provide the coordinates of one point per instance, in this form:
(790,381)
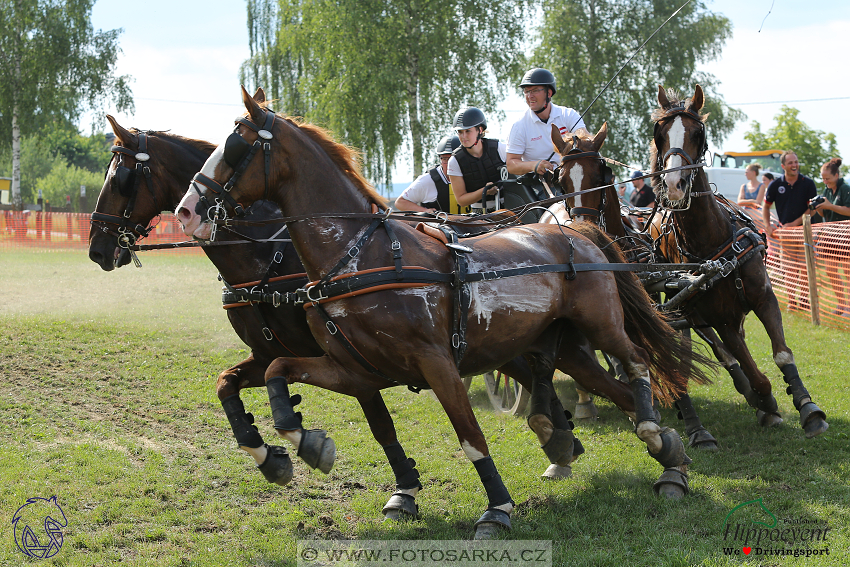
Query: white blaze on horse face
(193,224)
(577,176)
(675,139)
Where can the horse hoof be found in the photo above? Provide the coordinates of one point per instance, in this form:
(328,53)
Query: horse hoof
(277,467)
(702,439)
(768,419)
(586,411)
(557,472)
(492,523)
(401,506)
(672,453)
(317,449)
(813,420)
(672,484)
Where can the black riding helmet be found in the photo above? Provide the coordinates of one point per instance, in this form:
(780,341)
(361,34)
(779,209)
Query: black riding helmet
(469,118)
(447,145)
(539,76)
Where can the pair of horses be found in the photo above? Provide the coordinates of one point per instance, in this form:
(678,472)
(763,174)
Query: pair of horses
(524,295)
(150,171)
(694,226)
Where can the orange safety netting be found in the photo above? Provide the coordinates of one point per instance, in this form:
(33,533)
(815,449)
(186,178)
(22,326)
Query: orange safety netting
(786,260)
(786,265)
(43,231)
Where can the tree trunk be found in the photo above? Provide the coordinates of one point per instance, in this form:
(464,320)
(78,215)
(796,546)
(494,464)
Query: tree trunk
(416,134)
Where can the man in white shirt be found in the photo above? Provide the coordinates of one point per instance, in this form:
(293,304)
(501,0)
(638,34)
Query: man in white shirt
(430,191)
(530,141)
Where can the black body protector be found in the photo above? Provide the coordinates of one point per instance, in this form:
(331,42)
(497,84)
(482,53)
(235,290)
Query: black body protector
(442,203)
(477,172)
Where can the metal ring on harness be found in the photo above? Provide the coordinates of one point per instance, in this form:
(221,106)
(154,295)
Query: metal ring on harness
(312,299)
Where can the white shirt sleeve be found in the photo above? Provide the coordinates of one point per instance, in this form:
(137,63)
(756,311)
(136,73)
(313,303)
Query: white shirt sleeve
(516,139)
(454,168)
(422,190)
(503,152)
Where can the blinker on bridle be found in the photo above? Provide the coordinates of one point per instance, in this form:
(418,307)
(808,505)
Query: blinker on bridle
(125,182)
(238,154)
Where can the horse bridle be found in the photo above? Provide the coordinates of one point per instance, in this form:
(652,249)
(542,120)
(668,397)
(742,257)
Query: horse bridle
(126,182)
(674,111)
(607,178)
(238,154)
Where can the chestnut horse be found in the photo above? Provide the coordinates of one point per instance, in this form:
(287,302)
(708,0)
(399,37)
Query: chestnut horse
(697,228)
(319,188)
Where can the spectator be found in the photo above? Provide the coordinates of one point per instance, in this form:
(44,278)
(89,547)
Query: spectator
(430,191)
(832,253)
(766,180)
(624,192)
(791,193)
(643,195)
(752,192)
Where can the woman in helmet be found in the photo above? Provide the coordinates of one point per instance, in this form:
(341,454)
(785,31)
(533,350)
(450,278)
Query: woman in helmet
(530,140)
(430,191)
(477,164)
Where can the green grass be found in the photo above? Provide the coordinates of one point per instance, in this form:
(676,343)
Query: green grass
(110,405)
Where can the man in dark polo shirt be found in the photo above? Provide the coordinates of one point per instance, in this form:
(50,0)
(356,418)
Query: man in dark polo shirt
(791,193)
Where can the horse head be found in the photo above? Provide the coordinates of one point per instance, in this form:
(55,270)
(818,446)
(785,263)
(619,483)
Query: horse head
(582,168)
(679,139)
(296,159)
(147,174)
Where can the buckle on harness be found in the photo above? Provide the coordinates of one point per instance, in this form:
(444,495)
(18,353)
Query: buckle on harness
(456,341)
(332,329)
(278,257)
(353,251)
(276,299)
(312,299)
(267,333)
(738,247)
(396,245)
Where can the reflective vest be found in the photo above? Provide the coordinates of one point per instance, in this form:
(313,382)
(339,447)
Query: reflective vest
(442,203)
(477,172)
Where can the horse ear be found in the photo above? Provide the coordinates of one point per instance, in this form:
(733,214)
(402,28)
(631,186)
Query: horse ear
(600,136)
(260,95)
(122,135)
(257,113)
(558,140)
(663,101)
(698,100)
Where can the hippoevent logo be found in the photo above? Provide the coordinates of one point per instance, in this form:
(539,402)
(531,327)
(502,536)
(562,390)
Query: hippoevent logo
(38,527)
(751,529)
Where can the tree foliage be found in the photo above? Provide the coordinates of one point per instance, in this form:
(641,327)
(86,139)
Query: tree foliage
(813,147)
(382,73)
(54,66)
(585,42)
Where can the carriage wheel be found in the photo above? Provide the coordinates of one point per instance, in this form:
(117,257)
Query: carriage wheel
(506,394)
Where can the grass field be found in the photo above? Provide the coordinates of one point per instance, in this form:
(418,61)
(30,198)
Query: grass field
(110,406)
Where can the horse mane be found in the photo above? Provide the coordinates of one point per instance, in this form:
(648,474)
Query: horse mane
(203,147)
(659,114)
(347,158)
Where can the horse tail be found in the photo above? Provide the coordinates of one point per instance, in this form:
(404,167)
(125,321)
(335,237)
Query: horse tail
(671,357)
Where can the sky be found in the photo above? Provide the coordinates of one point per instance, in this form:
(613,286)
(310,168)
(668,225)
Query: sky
(185,58)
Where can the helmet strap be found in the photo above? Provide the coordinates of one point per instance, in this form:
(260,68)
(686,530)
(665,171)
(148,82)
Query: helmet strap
(545,106)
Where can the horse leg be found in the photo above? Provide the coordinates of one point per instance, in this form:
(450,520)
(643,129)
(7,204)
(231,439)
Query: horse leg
(663,444)
(812,418)
(722,354)
(585,408)
(444,379)
(767,410)
(698,435)
(402,504)
(273,461)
